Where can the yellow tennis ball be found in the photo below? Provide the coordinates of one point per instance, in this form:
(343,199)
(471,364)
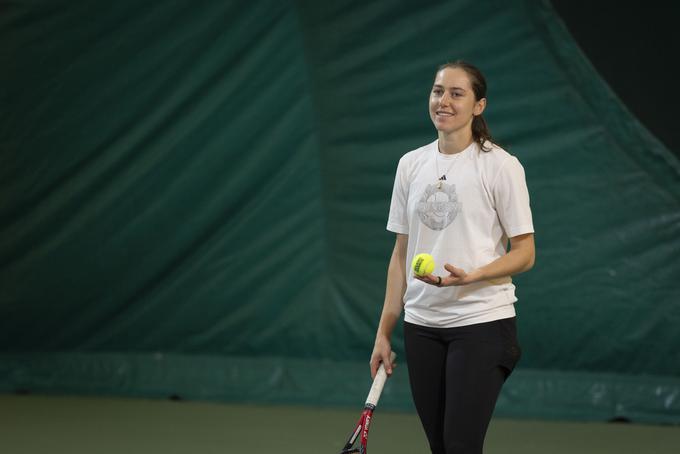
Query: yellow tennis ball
(422,264)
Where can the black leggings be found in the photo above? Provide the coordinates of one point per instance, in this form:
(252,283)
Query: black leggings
(456,375)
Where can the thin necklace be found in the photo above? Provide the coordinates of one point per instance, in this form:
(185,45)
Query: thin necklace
(436,166)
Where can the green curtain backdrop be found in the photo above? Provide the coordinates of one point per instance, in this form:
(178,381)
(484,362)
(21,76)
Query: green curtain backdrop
(194,199)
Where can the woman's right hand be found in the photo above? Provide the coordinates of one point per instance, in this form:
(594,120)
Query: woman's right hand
(381,354)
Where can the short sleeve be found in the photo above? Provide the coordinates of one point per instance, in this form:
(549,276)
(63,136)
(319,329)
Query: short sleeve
(511,198)
(397,221)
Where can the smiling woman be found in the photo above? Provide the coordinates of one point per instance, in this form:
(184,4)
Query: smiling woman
(457,101)
(461,198)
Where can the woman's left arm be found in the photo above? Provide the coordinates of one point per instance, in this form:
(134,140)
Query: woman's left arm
(519,259)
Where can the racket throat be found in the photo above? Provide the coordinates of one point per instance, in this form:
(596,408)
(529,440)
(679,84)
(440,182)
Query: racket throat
(361,432)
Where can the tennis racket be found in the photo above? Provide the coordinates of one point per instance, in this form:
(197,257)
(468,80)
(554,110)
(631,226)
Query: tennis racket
(361,430)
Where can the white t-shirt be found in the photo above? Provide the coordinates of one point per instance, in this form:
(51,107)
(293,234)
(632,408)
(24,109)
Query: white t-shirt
(464,220)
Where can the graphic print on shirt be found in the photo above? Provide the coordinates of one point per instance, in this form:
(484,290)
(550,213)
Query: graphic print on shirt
(438,207)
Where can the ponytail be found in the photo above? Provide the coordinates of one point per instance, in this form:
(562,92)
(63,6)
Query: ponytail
(481,133)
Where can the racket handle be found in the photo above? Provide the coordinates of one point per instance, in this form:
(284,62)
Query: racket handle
(378,383)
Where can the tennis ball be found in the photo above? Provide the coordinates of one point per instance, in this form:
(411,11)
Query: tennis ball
(422,264)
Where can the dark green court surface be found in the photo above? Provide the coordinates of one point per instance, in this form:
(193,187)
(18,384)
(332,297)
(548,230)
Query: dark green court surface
(75,425)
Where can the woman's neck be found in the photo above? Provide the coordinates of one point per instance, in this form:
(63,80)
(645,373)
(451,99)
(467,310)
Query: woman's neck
(454,142)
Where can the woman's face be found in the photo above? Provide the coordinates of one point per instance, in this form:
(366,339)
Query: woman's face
(452,101)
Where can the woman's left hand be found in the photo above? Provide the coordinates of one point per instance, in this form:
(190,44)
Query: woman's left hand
(457,276)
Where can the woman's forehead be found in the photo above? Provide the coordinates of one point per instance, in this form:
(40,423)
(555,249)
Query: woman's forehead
(452,78)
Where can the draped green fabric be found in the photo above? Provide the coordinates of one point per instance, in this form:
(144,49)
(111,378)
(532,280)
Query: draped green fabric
(194,199)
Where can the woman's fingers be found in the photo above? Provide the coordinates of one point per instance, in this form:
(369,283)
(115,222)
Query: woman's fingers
(453,270)
(428,278)
(382,352)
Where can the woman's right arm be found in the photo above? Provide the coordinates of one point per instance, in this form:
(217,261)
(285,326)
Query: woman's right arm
(394,301)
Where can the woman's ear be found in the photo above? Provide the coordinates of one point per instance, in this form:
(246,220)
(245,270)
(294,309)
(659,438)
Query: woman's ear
(479,107)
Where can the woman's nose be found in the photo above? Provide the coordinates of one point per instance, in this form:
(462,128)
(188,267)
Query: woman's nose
(445,99)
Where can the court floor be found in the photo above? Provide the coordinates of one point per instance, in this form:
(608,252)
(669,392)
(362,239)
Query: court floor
(75,425)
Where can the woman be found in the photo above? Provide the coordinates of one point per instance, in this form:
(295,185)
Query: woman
(461,198)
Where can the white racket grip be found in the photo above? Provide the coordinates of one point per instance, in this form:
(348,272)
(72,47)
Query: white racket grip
(378,383)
